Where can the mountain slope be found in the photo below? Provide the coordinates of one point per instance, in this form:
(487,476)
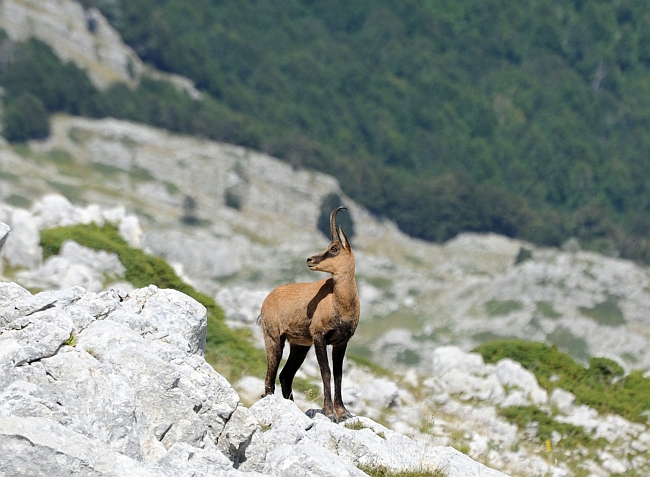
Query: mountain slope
(253,218)
(445,118)
(542,107)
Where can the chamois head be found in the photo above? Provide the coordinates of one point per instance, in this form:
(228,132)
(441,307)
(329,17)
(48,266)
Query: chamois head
(338,256)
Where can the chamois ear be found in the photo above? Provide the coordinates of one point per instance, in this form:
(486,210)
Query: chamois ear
(343,238)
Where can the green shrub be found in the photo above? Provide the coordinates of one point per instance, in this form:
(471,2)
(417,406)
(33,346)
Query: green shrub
(603,386)
(229,351)
(522,416)
(26,118)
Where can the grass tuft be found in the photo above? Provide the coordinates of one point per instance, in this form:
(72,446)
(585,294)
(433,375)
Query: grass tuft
(381,471)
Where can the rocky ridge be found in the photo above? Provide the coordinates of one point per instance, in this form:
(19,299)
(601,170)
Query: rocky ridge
(454,403)
(114,383)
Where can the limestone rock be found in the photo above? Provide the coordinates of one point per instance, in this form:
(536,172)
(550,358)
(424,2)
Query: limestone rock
(37,447)
(75,265)
(4,234)
(22,247)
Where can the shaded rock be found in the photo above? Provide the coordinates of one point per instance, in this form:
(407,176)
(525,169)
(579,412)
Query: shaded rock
(237,434)
(4,233)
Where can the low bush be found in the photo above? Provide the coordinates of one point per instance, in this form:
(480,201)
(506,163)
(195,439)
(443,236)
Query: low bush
(602,386)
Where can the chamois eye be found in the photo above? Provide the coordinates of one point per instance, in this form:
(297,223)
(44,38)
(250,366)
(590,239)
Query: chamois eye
(334,249)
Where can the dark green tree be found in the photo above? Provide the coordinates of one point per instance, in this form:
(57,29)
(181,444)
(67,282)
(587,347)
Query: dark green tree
(26,118)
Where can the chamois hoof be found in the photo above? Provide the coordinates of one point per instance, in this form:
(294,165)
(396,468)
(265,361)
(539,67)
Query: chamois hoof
(344,417)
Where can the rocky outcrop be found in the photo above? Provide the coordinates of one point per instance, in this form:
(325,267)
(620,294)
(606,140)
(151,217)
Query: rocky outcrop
(115,383)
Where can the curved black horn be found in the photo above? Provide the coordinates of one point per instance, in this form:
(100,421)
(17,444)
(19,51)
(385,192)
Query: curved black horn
(334,234)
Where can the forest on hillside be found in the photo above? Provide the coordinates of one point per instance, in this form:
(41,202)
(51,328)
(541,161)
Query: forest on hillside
(530,119)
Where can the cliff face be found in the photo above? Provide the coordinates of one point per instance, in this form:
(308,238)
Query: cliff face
(82,36)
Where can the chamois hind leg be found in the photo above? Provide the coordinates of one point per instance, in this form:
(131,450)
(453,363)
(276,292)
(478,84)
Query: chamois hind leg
(338,352)
(297,356)
(274,347)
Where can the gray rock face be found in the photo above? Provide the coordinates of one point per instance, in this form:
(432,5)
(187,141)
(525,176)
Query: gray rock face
(291,447)
(105,371)
(110,384)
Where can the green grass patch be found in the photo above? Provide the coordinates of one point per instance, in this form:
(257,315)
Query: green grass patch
(500,308)
(606,313)
(230,352)
(59,156)
(564,339)
(106,169)
(522,416)
(72,340)
(18,201)
(141,174)
(546,309)
(523,255)
(73,193)
(381,471)
(602,386)
(368,362)
(407,357)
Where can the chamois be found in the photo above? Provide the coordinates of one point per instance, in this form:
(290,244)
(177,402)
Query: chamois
(321,313)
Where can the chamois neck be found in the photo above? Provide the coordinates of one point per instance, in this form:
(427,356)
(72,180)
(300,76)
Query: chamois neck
(346,296)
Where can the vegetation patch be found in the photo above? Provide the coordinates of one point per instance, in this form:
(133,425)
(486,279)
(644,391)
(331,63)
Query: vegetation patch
(546,309)
(72,340)
(230,352)
(73,193)
(606,313)
(407,357)
(18,201)
(523,255)
(343,219)
(106,169)
(232,199)
(368,362)
(563,338)
(499,308)
(523,416)
(602,386)
(380,471)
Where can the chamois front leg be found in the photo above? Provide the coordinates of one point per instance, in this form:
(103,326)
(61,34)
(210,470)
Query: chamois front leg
(273,356)
(321,355)
(338,352)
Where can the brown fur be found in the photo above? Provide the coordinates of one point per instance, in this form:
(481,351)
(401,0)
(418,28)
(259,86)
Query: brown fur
(321,313)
